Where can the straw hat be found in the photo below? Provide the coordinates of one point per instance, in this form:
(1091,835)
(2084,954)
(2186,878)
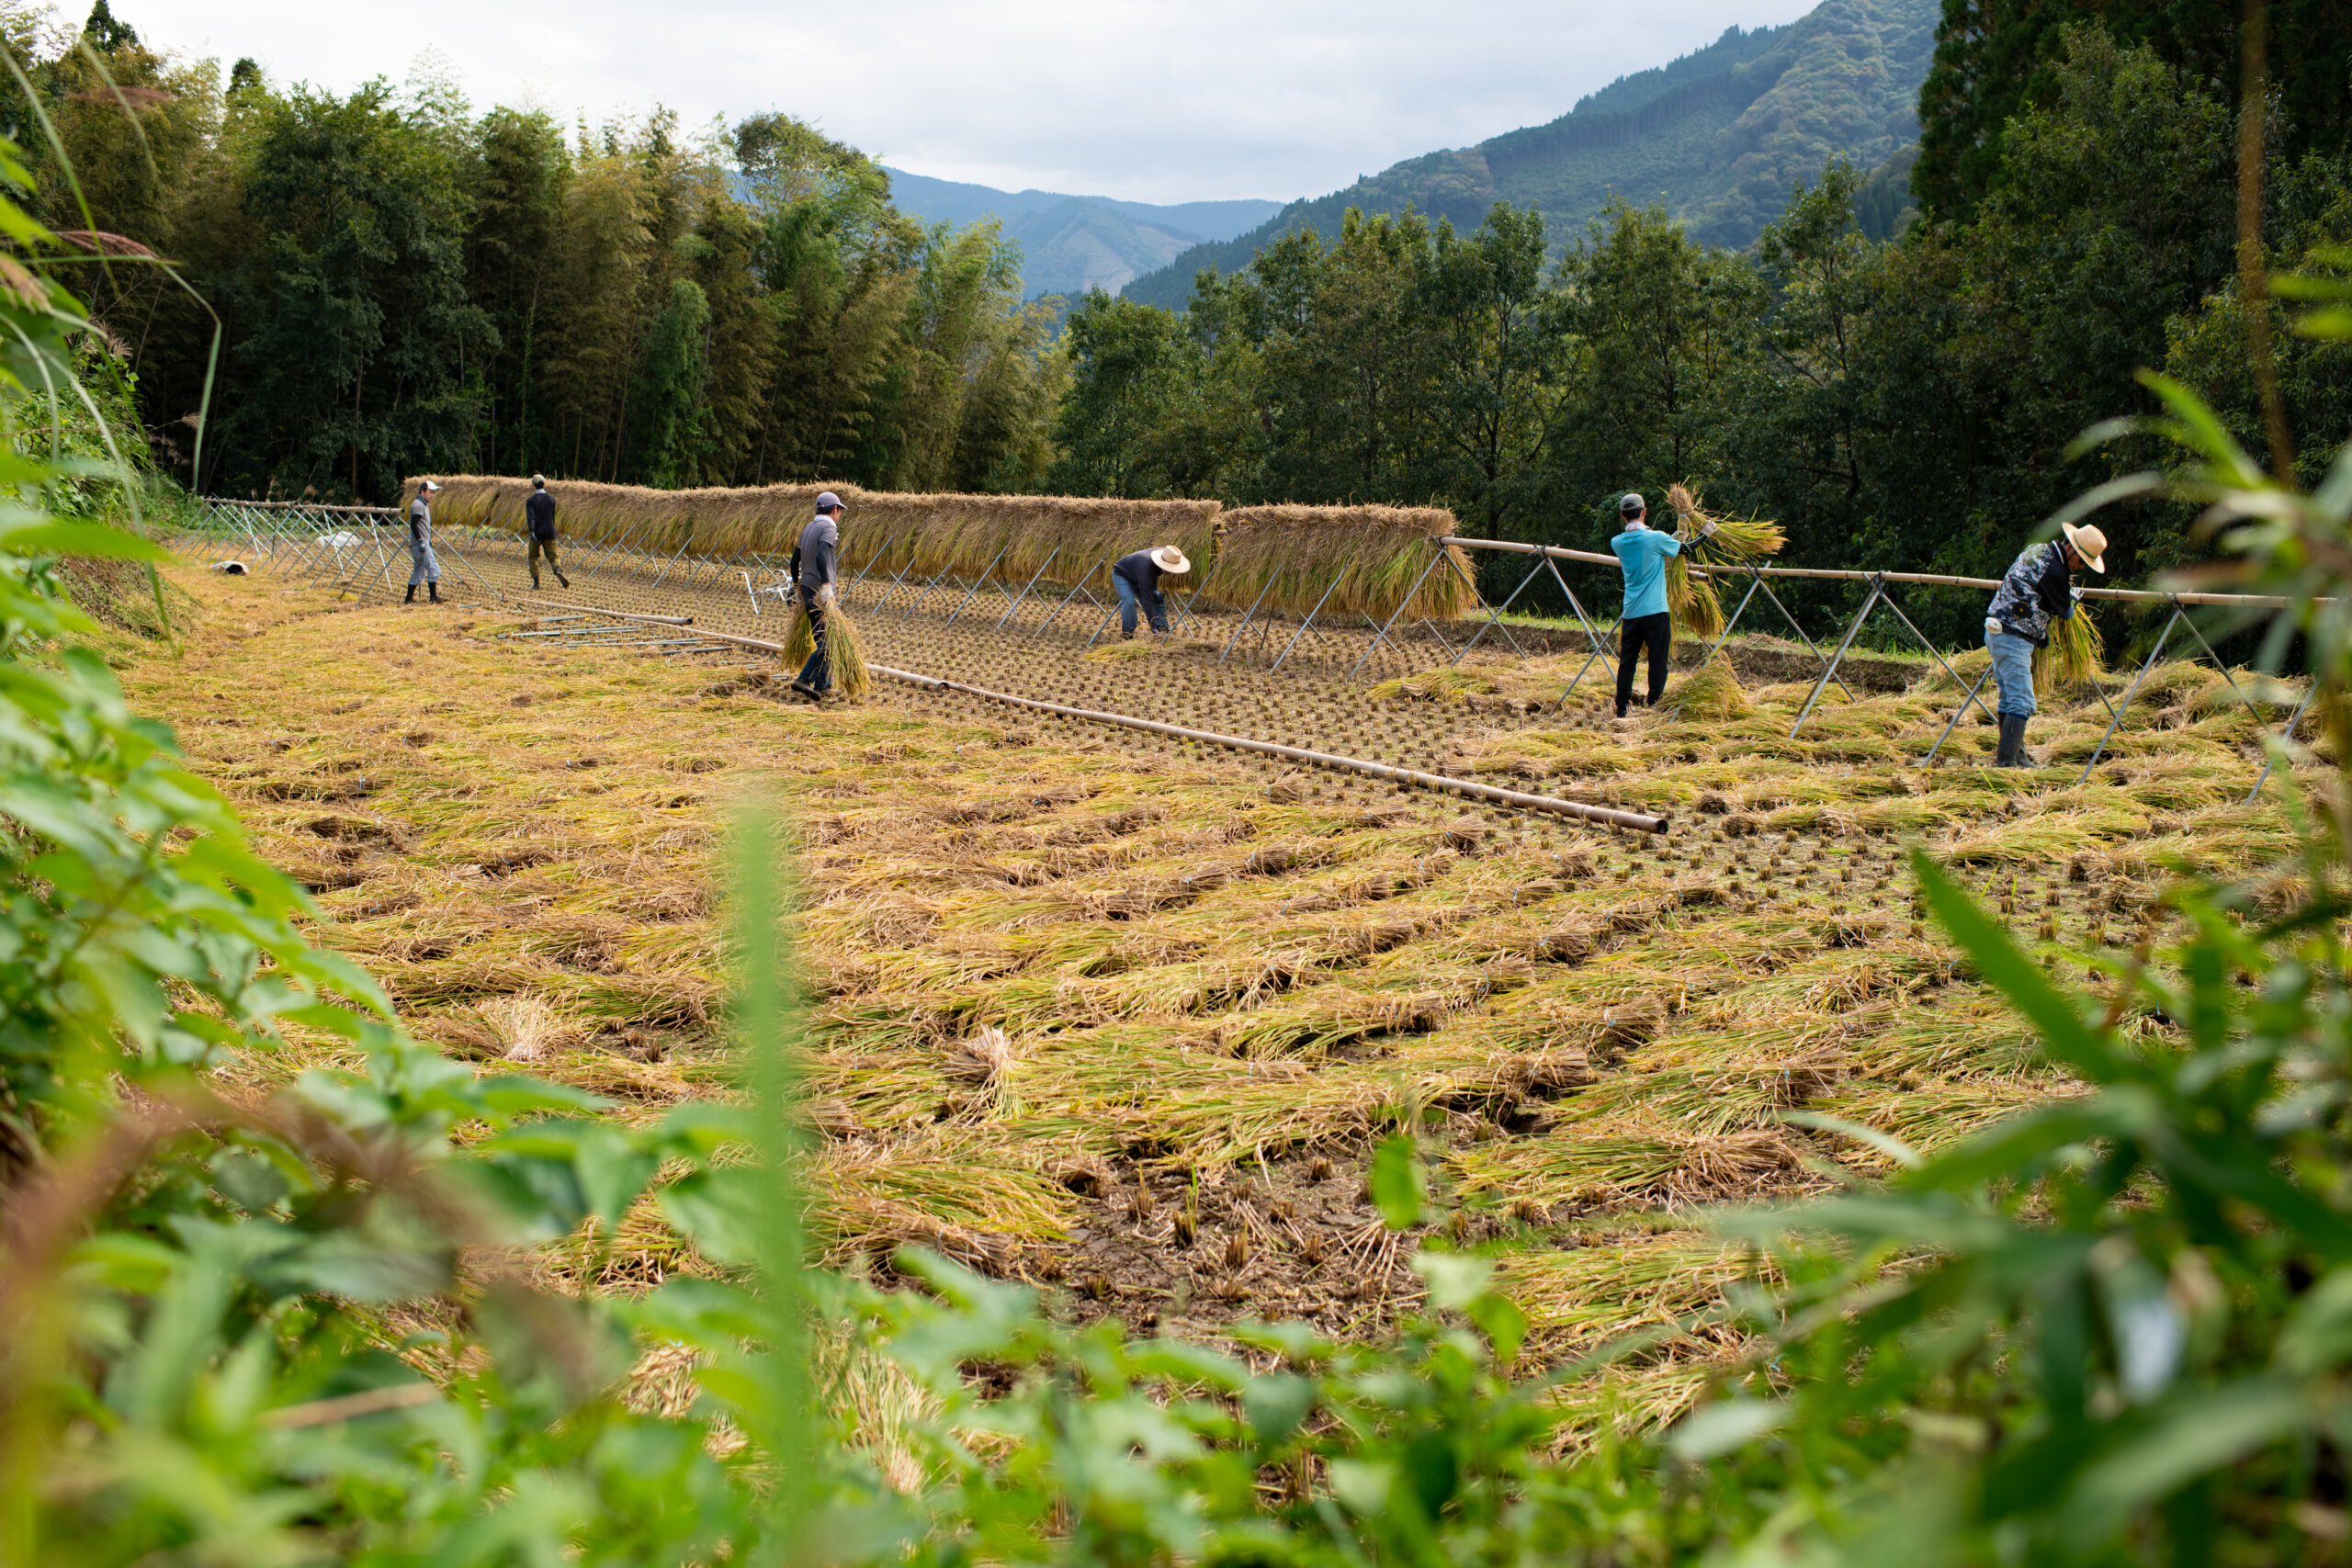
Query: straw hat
(1171,560)
(2090,544)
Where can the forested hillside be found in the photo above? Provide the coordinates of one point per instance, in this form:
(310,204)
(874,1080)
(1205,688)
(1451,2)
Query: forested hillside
(1911,404)
(1072,244)
(399,282)
(1716,139)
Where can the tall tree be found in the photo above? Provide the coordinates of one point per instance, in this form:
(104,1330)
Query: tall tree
(355,325)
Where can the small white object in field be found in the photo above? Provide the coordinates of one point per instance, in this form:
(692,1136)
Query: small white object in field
(342,541)
(234,568)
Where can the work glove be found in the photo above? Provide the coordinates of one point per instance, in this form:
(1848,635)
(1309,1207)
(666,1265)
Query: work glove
(825,595)
(1709,530)
(2077,591)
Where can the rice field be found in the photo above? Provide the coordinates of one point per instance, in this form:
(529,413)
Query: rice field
(1122,1015)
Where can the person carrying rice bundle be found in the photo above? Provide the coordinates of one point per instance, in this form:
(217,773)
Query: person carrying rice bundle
(816,565)
(1645,621)
(1136,577)
(2036,590)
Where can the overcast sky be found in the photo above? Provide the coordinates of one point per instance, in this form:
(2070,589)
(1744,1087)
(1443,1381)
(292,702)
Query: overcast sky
(1145,99)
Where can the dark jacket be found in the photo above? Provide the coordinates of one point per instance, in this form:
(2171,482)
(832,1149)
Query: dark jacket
(817,555)
(2036,590)
(540,511)
(1142,571)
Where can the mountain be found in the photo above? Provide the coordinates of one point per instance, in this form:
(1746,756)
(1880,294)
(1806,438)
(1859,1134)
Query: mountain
(1718,138)
(1071,243)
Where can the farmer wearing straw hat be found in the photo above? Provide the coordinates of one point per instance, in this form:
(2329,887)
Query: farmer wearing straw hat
(1645,621)
(2038,589)
(1136,577)
(816,565)
(423,567)
(538,516)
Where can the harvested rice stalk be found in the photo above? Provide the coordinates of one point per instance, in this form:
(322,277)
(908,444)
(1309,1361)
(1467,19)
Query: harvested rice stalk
(1736,541)
(1712,691)
(846,656)
(2074,656)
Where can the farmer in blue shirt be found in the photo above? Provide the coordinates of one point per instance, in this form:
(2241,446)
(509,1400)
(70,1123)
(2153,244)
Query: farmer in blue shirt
(1641,551)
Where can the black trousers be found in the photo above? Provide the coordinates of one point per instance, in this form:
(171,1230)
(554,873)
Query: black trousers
(1655,633)
(818,670)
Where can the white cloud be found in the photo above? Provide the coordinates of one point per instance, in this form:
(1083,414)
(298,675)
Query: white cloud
(1146,99)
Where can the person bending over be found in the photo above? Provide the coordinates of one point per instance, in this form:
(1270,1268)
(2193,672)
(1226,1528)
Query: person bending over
(2037,589)
(1136,577)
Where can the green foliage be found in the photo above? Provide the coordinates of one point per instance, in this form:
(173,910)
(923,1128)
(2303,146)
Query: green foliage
(1997,60)
(405,287)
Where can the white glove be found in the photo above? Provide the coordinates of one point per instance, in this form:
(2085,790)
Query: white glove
(1709,530)
(2077,592)
(825,595)
(1991,626)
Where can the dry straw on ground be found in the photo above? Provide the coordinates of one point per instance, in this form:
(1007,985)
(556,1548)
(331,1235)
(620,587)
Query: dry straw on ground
(1124,1019)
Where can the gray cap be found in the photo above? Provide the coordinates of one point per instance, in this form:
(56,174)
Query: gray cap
(827,502)
(1633,505)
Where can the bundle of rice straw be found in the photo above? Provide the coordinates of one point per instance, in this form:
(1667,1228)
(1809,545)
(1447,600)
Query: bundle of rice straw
(1736,542)
(1713,692)
(2074,657)
(844,658)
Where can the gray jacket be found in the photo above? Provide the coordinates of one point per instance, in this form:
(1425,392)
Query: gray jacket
(818,553)
(420,522)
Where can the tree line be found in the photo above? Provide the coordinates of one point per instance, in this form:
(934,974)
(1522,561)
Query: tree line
(1906,405)
(396,284)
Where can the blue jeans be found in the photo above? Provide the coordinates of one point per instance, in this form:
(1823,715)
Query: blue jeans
(1128,603)
(2012,670)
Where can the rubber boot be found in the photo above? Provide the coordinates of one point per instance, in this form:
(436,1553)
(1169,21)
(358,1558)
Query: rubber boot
(561,578)
(2012,754)
(412,595)
(433,592)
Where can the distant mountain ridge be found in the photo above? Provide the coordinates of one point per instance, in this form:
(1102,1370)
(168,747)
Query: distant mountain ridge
(1717,137)
(1071,243)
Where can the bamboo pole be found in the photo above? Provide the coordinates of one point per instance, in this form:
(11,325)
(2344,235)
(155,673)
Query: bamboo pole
(1933,579)
(1640,822)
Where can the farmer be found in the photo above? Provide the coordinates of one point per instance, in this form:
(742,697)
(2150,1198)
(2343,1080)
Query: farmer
(423,567)
(2037,588)
(1136,577)
(1644,623)
(538,515)
(816,567)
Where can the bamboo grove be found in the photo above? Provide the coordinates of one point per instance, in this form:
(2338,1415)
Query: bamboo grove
(403,284)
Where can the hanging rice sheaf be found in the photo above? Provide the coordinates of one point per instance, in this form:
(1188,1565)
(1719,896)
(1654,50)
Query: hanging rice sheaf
(1379,554)
(2074,657)
(1736,542)
(1289,555)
